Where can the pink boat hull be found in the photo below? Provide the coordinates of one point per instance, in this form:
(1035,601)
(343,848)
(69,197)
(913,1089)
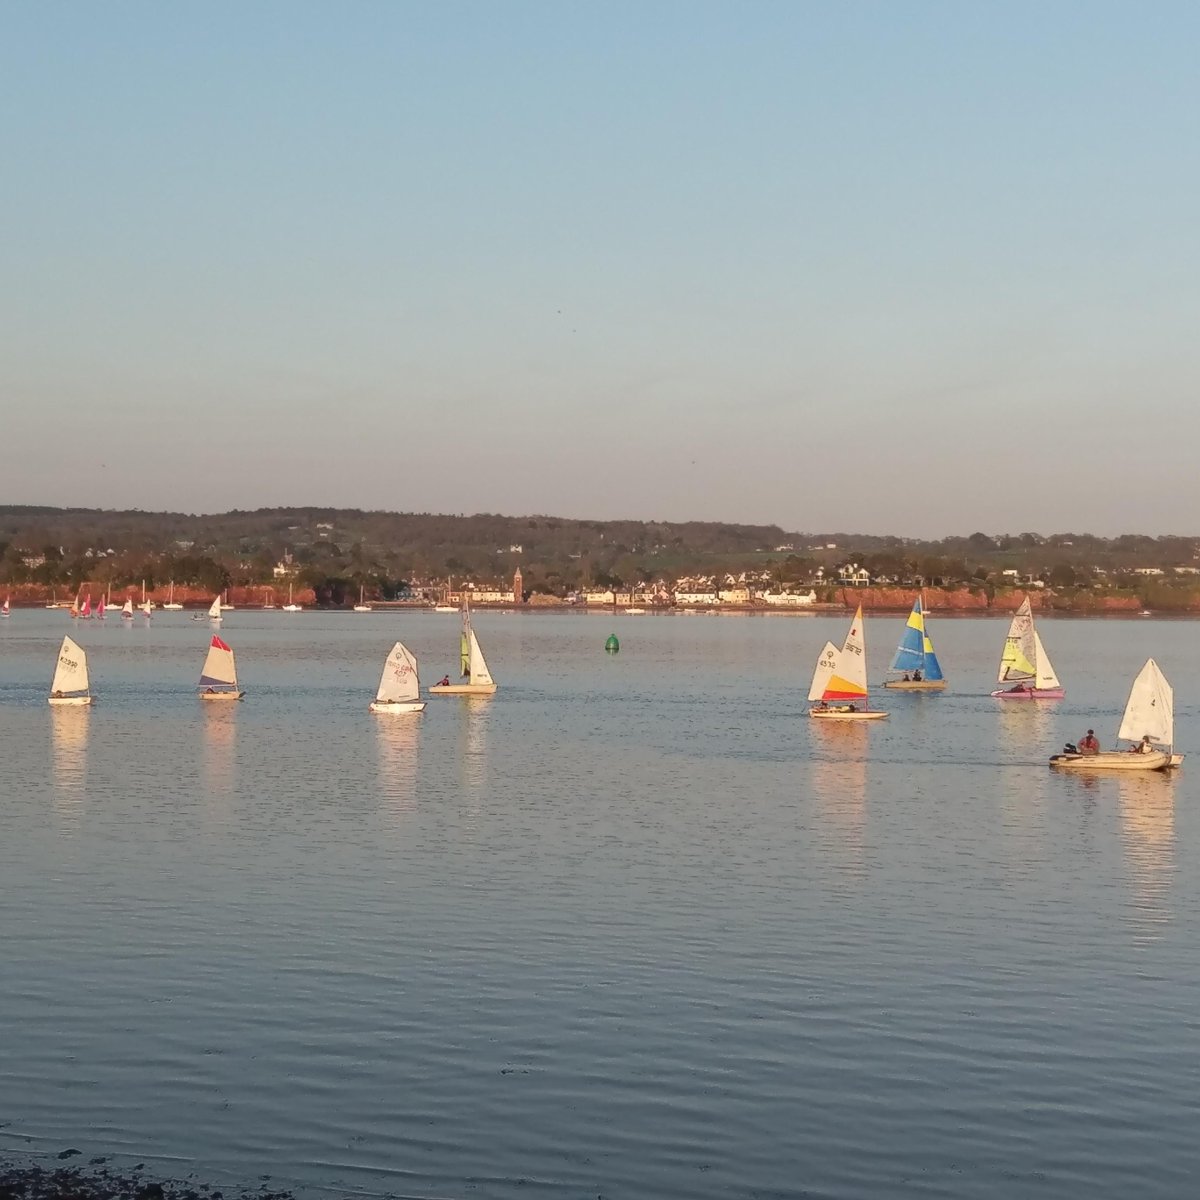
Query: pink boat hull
(1030,694)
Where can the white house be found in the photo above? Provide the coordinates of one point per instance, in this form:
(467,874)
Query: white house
(788,599)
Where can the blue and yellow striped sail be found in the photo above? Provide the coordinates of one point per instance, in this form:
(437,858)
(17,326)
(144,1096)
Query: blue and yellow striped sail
(915,652)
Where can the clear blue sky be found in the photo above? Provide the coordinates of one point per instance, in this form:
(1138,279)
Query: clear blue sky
(896,267)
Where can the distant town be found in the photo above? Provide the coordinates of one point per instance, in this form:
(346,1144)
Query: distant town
(339,557)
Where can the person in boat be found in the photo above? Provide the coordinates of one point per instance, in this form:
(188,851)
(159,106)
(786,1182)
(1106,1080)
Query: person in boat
(443,682)
(906,678)
(209,692)
(823,706)
(56,695)
(917,676)
(1088,744)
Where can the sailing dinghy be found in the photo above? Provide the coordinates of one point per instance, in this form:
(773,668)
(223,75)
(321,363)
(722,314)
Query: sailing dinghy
(100,609)
(70,686)
(1148,723)
(127,609)
(5,608)
(914,659)
(218,679)
(171,605)
(214,610)
(1024,662)
(839,684)
(472,665)
(399,685)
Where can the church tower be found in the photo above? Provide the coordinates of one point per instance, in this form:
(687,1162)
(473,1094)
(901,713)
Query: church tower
(518,593)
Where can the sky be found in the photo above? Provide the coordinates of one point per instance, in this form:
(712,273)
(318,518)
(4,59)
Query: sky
(884,267)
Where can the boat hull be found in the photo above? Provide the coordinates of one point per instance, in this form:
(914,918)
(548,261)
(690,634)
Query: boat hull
(462,689)
(406,706)
(70,701)
(1030,694)
(1115,760)
(833,714)
(231,695)
(915,685)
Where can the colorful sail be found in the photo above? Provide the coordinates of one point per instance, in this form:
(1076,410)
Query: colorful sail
(1019,657)
(1150,709)
(845,677)
(220,670)
(399,683)
(86,610)
(464,645)
(70,672)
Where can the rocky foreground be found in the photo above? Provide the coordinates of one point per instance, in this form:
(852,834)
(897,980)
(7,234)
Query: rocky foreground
(95,1180)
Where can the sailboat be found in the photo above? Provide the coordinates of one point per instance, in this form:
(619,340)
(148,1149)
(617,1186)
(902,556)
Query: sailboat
(214,610)
(1148,723)
(85,613)
(1024,662)
(362,605)
(915,657)
(839,683)
(70,684)
(218,679)
(127,609)
(146,606)
(399,685)
(170,604)
(100,609)
(5,608)
(225,605)
(291,606)
(471,664)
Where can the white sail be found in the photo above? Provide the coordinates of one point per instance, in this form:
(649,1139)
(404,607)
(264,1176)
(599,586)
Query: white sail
(1151,708)
(214,609)
(220,670)
(399,682)
(70,673)
(1044,676)
(479,668)
(826,666)
(127,608)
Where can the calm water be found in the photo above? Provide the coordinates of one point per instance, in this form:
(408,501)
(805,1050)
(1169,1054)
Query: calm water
(633,927)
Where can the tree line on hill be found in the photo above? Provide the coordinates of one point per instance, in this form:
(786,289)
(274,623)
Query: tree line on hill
(337,551)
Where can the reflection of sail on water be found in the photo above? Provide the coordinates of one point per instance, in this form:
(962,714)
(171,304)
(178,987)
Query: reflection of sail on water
(1025,730)
(1147,802)
(476,710)
(69,728)
(220,740)
(838,783)
(398,744)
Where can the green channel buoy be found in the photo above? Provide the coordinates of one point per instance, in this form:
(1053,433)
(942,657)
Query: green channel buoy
(612,646)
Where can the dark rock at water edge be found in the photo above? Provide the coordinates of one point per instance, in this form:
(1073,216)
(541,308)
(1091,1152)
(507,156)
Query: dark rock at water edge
(32,1181)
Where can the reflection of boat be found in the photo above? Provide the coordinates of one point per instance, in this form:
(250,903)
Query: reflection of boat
(397,745)
(472,665)
(69,729)
(839,683)
(1149,723)
(1147,807)
(915,657)
(70,686)
(218,679)
(399,685)
(1025,663)
(220,734)
(838,790)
